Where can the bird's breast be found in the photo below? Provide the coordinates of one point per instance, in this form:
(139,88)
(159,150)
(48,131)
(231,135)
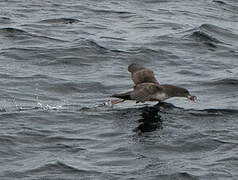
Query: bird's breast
(161,96)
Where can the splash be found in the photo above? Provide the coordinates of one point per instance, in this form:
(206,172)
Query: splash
(40,105)
(107,103)
(49,107)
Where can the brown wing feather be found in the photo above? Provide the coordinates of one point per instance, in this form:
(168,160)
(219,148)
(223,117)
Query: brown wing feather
(140,74)
(145,92)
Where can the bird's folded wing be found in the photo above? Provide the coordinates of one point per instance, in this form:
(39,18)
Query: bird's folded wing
(143,76)
(145,92)
(139,74)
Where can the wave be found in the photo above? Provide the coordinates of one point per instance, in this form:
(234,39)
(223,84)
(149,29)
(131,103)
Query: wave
(76,54)
(108,11)
(93,44)
(26,37)
(223,82)
(178,175)
(56,169)
(228,81)
(149,113)
(13,32)
(212,112)
(202,34)
(113,38)
(212,35)
(190,73)
(55,139)
(145,54)
(56,165)
(219,2)
(7,140)
(227,6)
(5,20)
(60,20)
(223,111)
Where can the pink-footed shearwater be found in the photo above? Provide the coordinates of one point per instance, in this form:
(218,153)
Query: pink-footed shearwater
(147,88)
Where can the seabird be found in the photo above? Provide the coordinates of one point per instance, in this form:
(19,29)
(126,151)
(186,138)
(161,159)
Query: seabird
(147,88)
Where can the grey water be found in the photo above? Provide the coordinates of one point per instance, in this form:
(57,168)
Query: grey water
(61,60)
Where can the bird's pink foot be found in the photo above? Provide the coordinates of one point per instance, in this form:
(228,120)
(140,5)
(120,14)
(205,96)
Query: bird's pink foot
(116,101)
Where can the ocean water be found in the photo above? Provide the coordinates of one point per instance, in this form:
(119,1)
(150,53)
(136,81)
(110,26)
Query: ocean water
(61,60)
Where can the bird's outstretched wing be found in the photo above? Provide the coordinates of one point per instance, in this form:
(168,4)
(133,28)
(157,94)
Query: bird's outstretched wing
(145,92)
(139,74)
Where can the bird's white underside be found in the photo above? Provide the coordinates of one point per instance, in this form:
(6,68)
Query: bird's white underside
(160,96)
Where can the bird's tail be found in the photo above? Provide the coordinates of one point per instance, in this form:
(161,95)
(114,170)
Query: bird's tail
(125,96)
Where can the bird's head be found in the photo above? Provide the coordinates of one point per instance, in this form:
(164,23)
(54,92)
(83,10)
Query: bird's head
(182,92)
(175,91)
(134,67)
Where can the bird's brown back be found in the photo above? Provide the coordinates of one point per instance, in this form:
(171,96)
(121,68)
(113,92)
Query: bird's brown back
(139,74)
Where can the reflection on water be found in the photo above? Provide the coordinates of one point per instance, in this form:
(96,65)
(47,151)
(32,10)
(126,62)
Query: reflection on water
(150,120)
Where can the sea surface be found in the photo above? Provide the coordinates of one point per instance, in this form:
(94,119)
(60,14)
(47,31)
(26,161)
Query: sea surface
(60,61)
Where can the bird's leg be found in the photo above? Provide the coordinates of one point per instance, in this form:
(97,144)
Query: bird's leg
(116,101)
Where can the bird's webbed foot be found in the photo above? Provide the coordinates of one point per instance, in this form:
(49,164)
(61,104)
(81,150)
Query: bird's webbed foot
(116,101)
